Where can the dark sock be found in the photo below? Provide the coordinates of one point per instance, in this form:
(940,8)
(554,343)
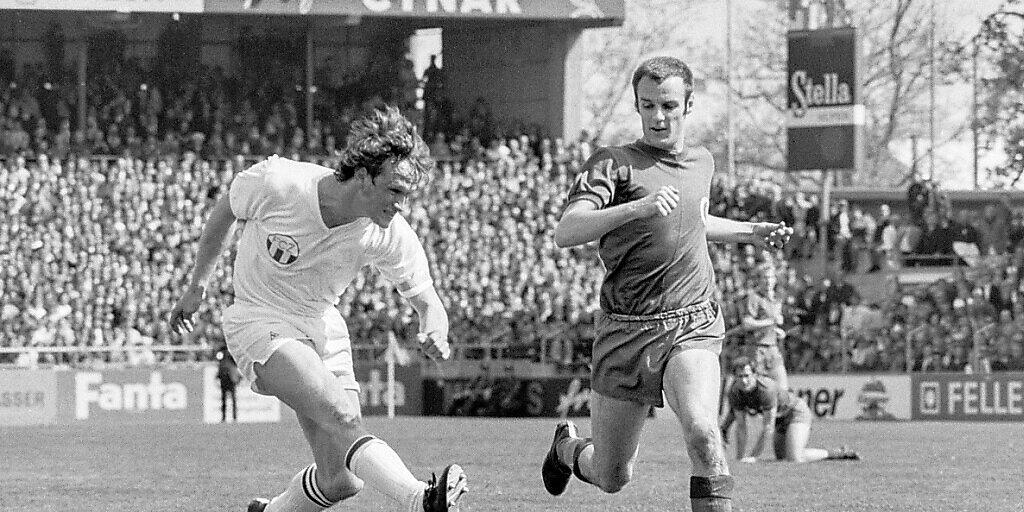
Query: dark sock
(841,454)
(711,493)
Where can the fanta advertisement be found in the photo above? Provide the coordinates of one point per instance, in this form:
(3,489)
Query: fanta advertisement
(141,395)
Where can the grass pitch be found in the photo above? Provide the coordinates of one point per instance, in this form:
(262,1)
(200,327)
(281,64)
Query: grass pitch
(906,467)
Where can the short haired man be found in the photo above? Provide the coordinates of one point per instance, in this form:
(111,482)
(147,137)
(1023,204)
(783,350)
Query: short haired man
(659,329)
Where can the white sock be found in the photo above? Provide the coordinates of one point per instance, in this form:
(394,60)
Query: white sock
(373,461)
(303,494)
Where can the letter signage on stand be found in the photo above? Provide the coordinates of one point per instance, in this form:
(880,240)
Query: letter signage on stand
(854,397)
(372,379)
(106,5)
(27,397)
(152,395)
(252,407)
(504,396)
(824,115)
(592,10)
(958,396)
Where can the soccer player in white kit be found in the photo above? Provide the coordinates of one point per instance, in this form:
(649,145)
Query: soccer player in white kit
(306,231)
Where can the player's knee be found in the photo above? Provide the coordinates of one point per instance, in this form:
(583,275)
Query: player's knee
(346,417)
(702,437)
(615,481)
(704,445)
(339,418)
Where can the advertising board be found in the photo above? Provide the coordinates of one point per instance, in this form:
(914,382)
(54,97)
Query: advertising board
(958,396)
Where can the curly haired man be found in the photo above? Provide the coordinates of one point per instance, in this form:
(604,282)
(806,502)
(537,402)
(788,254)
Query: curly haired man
(306,231)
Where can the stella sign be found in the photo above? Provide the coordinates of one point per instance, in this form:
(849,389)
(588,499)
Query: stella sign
(810,94)
(824,116)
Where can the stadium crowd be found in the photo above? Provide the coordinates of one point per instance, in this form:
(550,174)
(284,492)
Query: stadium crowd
(100,224)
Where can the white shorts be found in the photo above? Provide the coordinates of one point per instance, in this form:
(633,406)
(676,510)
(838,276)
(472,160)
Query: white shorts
(254,333)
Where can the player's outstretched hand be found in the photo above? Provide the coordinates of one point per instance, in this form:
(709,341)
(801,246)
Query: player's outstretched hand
(181,316)
(661,202)
(772,235)
(435,345)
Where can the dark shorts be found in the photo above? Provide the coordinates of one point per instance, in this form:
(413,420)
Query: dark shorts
(631,352)
(800,413)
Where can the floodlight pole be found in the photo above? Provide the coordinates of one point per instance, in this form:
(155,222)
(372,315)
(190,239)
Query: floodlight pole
(309,82)
(729,135)
(931,95)
(824,216)
(974,111)
(82,76)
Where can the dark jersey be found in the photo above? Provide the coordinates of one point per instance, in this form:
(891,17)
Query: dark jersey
(764,397)
(654,264)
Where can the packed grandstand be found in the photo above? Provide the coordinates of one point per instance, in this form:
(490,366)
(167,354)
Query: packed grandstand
(99,226)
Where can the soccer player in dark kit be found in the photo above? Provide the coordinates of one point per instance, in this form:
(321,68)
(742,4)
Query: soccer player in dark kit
(762,317)
(786,419)
(659,330)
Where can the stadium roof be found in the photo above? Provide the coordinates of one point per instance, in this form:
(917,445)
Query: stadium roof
(588,12)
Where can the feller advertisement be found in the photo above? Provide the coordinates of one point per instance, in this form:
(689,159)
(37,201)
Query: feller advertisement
(824,114)
(27,397)
(995,397)
(855,397)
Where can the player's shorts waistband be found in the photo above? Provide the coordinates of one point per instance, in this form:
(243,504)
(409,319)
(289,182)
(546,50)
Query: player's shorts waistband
(704,307)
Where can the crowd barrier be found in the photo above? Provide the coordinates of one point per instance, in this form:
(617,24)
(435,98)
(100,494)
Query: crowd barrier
(192,395)
(187,394)
(507,396)
(855,396)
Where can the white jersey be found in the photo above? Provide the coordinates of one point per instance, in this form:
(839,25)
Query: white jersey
(290,261)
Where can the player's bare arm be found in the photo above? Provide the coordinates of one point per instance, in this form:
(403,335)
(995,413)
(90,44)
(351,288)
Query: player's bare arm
(764,234)
(216,233)
(725,423)
(583,222)
(741,434)
(750,322)
(433,335)
(767,431)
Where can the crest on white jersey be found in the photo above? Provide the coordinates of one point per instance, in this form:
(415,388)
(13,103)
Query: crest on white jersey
(282,248)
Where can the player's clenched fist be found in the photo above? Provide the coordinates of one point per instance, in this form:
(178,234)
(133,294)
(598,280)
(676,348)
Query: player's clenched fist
(435,345)
(661,202)
(770,234)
